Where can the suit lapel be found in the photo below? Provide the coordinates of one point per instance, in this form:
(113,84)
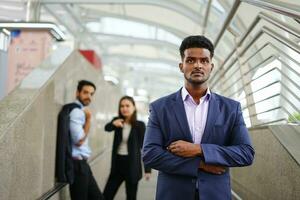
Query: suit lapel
(213,113)
(180,114)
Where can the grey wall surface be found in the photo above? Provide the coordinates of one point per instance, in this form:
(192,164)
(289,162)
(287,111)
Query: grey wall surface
(28,128)
(274,173)
(3,73)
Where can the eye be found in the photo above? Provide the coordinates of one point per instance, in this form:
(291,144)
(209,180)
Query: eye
(189,60)
(204,61)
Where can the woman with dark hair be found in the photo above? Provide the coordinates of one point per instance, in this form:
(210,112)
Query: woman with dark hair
(126,164)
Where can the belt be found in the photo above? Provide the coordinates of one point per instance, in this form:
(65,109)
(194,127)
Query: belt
(79,158)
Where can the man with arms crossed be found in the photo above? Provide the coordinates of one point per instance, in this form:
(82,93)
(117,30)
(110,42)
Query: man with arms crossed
(194,135)
(84,186)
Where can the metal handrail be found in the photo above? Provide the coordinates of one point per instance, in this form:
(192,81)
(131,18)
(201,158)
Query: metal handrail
(240,77)
(269,122)
(271,33)
(276,108)
(206,16)
(277,57)
(273,57)
(248,94)
(252,104)
(283,97)
(290,103)
(52,191)
(275,68)
(227,21)
(265,111)
(255,53)
(271,20)
(273,6)
(286,55)
(280,39)
(278,50)
(276,6)
(59,186)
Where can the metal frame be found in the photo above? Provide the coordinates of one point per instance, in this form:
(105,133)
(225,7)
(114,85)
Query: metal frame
(167,4)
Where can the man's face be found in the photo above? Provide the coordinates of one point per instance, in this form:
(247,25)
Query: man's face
(196,65)
(85,95)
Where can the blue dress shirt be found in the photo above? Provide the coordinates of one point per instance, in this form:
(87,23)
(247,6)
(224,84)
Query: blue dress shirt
(77,121)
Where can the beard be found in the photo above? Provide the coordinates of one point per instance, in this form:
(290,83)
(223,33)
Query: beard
(196,82)
(84,102)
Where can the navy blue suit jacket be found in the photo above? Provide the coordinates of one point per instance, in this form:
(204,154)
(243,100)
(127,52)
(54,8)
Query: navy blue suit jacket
(225,142)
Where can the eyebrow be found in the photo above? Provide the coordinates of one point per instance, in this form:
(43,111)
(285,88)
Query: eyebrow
(206,57)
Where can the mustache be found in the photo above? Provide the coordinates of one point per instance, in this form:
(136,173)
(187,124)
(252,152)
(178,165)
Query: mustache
(197,71)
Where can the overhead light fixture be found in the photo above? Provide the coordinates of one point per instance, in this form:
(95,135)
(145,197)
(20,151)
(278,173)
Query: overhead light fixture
(141,99)
(111,79)
(5,31)
(53,28)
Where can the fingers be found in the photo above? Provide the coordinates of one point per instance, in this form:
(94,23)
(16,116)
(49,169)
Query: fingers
(181,148)
(87,112)
(179,144)
(213,169)
(118,123)
(147,176)
(173,148)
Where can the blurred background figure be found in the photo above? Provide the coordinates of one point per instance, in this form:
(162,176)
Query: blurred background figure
(126,153)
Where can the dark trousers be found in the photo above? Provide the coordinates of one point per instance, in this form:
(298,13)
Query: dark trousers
(115,180)
(85,186)
(197,195)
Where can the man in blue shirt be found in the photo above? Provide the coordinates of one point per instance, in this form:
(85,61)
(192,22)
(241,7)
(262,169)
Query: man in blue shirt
(84,186)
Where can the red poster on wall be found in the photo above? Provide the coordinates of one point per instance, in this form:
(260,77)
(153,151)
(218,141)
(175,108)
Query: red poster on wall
(92,57)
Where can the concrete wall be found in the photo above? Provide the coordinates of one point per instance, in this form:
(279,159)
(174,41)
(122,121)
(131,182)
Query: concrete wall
(274,173)
(28,128)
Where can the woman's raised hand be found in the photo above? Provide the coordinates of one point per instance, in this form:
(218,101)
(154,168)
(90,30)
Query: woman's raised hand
(118,123)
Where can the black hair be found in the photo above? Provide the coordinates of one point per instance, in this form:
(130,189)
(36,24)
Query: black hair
(196,41)
(133,117)
(83,83)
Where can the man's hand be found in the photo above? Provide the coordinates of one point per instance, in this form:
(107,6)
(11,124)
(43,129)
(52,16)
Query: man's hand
(88,113)
(147,176)
(118,123)
(213,169)
(185,149)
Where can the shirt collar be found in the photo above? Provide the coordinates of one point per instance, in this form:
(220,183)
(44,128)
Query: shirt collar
(185,94)
(79,103)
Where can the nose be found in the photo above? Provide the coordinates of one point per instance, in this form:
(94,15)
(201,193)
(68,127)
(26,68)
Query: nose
(197,64)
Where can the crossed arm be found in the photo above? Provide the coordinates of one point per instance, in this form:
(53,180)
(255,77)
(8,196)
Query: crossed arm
(182,157)
(187,149)
(80,132)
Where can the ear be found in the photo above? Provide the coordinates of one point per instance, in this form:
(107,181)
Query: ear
(212,67)
(77,93)
(180,67)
